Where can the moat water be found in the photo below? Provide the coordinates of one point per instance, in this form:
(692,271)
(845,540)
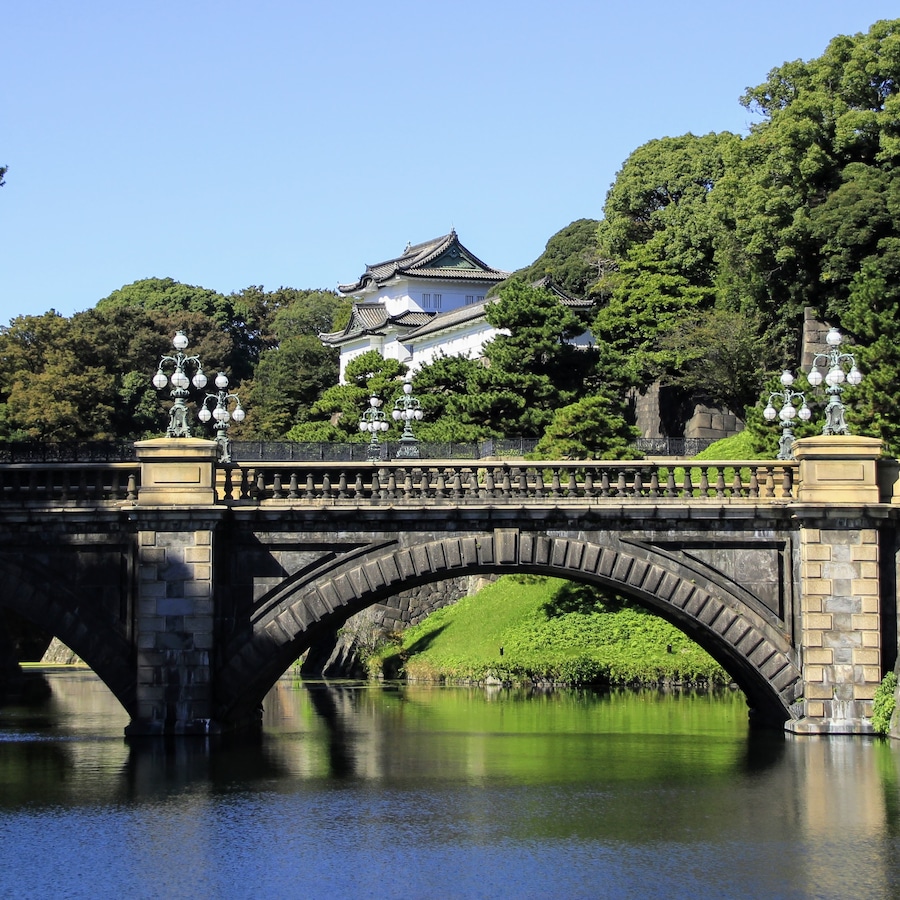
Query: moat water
(385,791)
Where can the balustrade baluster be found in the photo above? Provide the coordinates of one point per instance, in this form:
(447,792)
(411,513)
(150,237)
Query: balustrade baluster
(294,487)
(539,484)
(506,488)
(489,483)
(132,494)
(472,489)
(456,485)
(276,486)
(327,493)
(786,482)
(604,483)
(342,486)
(572,484)
(737,486)
(260,485)
(753,484)
(671,489)
(358,487)
(376,486)
(407,485)
(589,483)
(310,493)
(228,486)
(638,484)
(521,478)
(654,482)
(687,489)
(770,481)
(440,490)
(555,486)
(704,481)
(720,483)
(425,490)
(621,485)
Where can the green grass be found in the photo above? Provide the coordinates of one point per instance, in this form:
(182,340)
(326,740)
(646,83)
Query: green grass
(550,630)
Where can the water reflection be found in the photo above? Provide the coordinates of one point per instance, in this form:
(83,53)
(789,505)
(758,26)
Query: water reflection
(415,791)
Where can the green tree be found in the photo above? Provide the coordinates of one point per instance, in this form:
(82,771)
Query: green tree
(335,415)
(593,427)
(532,365)
(570,259)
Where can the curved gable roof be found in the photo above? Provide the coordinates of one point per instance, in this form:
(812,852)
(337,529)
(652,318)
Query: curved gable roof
(444,257)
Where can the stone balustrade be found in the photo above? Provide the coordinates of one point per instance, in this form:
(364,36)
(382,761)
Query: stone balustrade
(69,483)
(508,481)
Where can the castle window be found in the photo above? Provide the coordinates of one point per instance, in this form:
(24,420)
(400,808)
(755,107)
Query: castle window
(470,299)
(426,301)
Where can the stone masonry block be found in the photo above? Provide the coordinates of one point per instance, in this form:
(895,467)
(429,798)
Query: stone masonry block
(197,554)
(820,656)
(147,538)
(148,573)
(871,639)
(866,657)
(871,605)
(152,555)
(197,589)
(864,692)
(817,552)
(864,622)
(868,570)
(865,587)
(815,674)
(811,536)
(818,622)
(815,709)
(202,537)
(819,691)
(811,571)
(871,675)
(842,553)
(841,570)
(814,605)
(864,552)
(152,589)
(174,606)
(818,586)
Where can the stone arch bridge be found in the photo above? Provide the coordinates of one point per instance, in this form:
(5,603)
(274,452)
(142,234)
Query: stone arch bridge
(189,588)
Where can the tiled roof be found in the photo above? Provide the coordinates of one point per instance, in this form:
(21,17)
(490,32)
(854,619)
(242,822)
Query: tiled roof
(444,257)
(440,322)
(370,318)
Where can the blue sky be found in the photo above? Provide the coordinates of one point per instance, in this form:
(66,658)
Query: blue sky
(229,143)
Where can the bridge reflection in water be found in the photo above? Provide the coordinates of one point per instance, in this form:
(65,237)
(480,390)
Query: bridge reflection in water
(190,588)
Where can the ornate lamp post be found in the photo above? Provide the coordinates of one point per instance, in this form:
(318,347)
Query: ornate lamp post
(835,361)
(407,409)
(178,414)
(374,421)
(787,413)
(220,413)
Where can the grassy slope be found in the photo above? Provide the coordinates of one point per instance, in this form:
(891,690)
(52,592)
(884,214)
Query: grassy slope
(550,630)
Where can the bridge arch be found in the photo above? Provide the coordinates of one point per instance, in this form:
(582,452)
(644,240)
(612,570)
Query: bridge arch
(48,602)
(744,637)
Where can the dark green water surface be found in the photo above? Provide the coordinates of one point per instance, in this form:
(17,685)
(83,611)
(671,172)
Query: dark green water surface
(357,790)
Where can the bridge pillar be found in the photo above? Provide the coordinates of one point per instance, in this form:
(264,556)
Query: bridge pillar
(840,592)
(175,519)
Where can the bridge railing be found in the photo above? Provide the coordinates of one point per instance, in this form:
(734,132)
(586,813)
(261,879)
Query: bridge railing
(68,483)
(498,482)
